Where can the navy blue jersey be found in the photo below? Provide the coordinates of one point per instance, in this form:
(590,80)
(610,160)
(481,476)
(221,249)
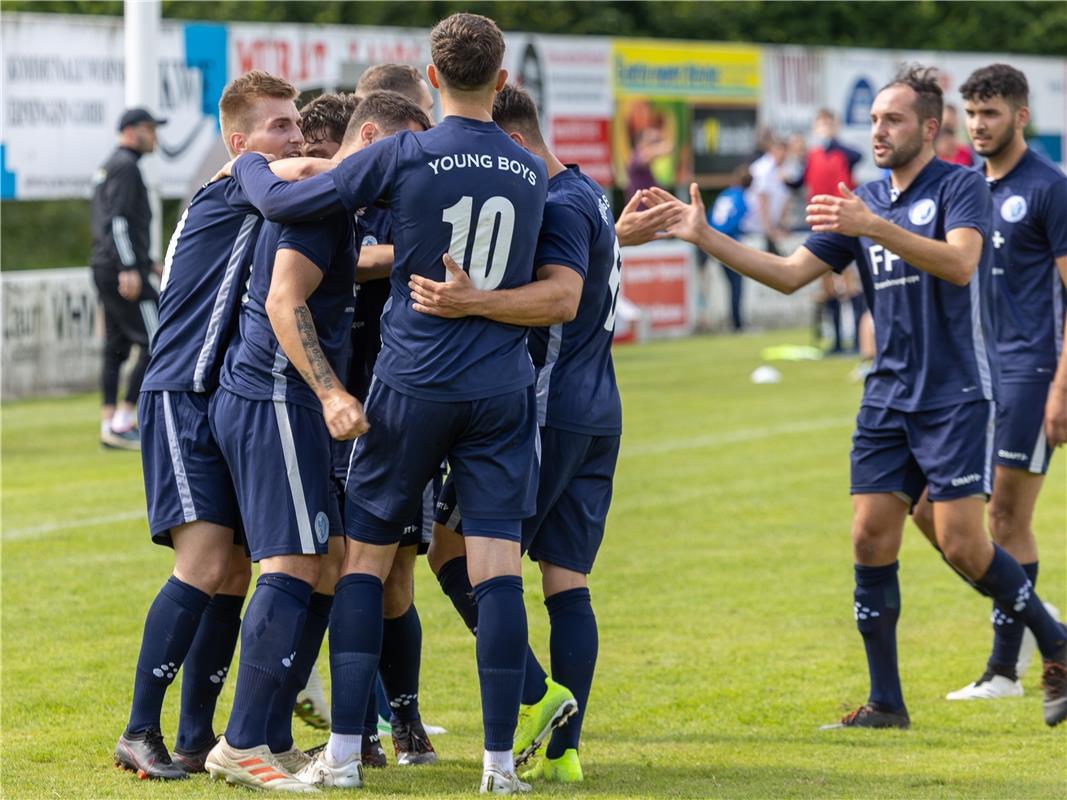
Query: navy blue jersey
(205,267)
(934,340)
(466,188)
(576,388)
(256,367)
(373,226)
(1029,234)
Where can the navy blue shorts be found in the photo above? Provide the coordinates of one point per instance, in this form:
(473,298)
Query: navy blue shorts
(418,533)
(491,447)
(185,476)
(279,456)
(948,450)
(1021,441)
(573,497)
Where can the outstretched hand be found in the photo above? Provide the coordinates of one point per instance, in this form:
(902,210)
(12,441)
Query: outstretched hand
(692,220)
(846,214)
(637,226)
(450,299)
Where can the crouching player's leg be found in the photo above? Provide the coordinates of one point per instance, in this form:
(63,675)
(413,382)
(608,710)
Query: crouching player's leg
(191,507)
(283,494)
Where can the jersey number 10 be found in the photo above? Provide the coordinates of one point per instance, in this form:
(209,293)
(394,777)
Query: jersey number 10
(492,239)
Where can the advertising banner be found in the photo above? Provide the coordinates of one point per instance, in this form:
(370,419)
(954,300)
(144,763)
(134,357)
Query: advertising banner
(64,90)
(658,280)
(681,110)
(51,342)
(570,80)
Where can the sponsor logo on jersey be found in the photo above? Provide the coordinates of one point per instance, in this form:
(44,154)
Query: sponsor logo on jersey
(922,212)
(1014,208)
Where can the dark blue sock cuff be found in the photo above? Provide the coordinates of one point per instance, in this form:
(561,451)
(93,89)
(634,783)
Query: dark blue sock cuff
(358,578)
(452,573)
(1031,572)
(296,588)
(494,584)
(562,602)
(188,597)
(226,606)
(510,529)
(872,576)
(403,619)
(320,604)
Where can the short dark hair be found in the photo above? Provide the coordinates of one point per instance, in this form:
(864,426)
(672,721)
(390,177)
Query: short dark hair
(401,78)
(929,99)
(515,110)
(825,113)
(997,80)
(390,111)
(467,51)
(326,117)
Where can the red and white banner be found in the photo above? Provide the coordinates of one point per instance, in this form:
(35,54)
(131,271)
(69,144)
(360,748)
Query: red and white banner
(657,297)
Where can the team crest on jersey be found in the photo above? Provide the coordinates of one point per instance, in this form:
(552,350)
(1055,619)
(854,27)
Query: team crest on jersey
(1014,208)
(322,527)
(368,240)
(922,212)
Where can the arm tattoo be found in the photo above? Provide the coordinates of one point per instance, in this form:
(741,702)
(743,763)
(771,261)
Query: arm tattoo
(319,375)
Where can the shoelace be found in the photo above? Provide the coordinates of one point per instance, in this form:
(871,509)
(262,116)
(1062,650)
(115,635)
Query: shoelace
(1054,678)
(851,716)
(154,740)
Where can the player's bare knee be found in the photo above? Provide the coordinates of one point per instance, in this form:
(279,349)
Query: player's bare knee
(399,595)
(304,568)
(556,579)
(202,554)
(445,545)
(1009,523)
(330,566)
(238,575)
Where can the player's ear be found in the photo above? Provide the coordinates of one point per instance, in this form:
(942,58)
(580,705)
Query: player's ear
(519,139)
(431,76)
(1022,117)
(237,142)
(368,133)
(501,79)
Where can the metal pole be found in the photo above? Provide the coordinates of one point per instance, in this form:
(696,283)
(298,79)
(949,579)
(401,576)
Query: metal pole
(142,89)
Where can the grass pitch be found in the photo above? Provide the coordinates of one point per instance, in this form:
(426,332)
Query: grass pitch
(723,591)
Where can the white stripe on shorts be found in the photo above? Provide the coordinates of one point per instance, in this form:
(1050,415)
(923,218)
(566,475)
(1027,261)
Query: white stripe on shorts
(292,472)
(180,478)
(1037,459)
(990,440)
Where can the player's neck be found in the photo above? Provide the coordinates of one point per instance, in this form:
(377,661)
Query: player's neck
(470,106)
(902,178)
(996,167)
(554,165)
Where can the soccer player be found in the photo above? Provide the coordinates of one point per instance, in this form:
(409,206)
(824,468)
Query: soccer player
(401,78)
(120,221)
(573,302)
(1029,276)
(927,417)
(455,388)
(195,618)
(279,402)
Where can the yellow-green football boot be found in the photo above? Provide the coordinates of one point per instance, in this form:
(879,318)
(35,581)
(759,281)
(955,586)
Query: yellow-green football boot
(537,721)
(565,769)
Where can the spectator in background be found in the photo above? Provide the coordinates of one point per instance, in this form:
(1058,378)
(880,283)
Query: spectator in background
(830,163)
(120,220)
(947,146)
(649,143)
(768,196)
(726,216)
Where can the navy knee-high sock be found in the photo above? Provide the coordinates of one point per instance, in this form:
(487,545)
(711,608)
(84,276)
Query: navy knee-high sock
(206,668)
(573,644)
(280,721)
(355,646)
(169,628)
(877,609)
(533,682)
(376,700)
(270,633)
(457,585)
(1013,593)
(1008,635)
(501,649)
(400,663)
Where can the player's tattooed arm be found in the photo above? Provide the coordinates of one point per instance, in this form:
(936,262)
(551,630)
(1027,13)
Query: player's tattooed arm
(293,281)
(1056,405)
(551,299)
(785,274)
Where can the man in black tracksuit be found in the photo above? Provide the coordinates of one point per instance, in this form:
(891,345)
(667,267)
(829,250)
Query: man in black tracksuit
(120,221)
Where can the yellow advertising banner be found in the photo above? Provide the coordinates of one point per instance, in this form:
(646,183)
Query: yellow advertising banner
(686,71)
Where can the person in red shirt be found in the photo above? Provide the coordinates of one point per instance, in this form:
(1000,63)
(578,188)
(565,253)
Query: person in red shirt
(947,146)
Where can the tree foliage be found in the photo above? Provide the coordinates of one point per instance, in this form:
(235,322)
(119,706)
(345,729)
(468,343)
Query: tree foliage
(1016,27)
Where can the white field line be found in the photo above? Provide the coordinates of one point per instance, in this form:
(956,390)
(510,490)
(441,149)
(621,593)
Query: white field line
(651,448)
(734,437)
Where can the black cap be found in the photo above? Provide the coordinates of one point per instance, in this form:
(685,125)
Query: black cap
(135,116)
